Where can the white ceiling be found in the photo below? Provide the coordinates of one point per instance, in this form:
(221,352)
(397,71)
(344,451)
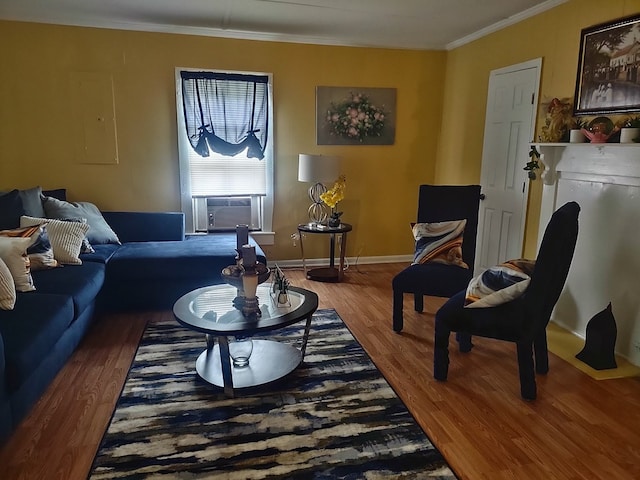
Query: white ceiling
(408,24)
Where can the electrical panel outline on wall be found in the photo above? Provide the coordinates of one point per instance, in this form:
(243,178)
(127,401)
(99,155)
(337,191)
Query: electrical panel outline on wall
(94,117)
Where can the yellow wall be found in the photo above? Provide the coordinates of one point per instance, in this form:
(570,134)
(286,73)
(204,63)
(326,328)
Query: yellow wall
(439,94)
(38,142)
(553,36)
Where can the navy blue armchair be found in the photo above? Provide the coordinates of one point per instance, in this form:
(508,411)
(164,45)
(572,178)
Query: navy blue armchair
(439,203)
(522,320)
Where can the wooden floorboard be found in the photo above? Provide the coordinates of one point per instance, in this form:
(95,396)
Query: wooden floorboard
(578,428)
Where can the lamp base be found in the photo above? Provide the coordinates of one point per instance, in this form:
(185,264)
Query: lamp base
(317,210)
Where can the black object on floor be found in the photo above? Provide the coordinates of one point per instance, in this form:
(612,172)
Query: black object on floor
(600,341)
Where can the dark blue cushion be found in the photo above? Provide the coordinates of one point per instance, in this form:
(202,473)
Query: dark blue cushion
(225,243)
(146,226)
(11,210)
(198,256)
(502,322)
(102,253)
(34,326)
(437,279)
(59,193)
(82,282)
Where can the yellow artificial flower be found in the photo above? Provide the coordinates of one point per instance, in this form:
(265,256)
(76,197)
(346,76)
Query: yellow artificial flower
(336,193)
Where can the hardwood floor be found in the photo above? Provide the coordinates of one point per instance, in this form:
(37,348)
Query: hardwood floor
(578,428)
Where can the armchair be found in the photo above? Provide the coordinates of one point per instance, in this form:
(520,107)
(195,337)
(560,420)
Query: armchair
(522,320)
(439,203)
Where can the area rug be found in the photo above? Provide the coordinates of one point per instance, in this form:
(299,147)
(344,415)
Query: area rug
(335,417)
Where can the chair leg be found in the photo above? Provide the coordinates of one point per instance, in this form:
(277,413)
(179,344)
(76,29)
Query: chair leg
(525,367)
(464,342)
(418,302)
(541,353)
(398,321)
(441,352)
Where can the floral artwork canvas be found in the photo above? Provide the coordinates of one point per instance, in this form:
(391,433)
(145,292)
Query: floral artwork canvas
(355,116)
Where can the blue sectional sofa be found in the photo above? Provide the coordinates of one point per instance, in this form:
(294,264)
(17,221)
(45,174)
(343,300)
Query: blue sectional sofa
(154,265)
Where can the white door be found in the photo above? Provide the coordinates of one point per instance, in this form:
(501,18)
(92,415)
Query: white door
(509,128)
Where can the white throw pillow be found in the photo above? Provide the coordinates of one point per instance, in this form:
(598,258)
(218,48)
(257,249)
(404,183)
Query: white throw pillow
(13,251)
(7,288)
(65,237)
(500,284)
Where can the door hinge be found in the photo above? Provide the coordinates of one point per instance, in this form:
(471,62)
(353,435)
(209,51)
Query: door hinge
(533,96)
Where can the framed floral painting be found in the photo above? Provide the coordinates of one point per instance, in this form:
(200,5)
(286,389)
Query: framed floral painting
(355,116)
(608,78)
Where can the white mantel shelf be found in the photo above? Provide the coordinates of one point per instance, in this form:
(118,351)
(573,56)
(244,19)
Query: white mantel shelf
(604,179)
(619,161)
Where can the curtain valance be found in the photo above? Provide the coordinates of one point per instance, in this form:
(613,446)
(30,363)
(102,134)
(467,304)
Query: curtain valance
(226,112)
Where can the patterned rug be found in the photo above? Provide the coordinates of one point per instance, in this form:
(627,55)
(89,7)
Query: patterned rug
(334,417)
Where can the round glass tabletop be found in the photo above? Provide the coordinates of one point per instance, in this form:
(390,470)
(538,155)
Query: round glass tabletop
(211,310)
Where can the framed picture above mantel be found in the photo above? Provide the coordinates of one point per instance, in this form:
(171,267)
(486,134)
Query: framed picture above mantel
(355,116)
(608,79)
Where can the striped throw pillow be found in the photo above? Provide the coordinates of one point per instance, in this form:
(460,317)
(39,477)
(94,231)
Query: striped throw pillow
(13,252)
(7,288)
(65,237)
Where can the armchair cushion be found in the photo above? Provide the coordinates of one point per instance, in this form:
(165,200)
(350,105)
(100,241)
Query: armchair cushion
(499,284)
(437,279)
(439,242)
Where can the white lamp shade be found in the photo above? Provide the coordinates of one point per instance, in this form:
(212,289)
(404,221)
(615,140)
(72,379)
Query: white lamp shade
(318,168)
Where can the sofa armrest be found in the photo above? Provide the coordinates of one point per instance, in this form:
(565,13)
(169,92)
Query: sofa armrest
(146,226)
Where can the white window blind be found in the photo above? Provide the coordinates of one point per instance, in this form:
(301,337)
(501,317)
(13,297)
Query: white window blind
(218,175)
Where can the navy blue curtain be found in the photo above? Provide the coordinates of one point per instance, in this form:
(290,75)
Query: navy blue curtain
(226,112)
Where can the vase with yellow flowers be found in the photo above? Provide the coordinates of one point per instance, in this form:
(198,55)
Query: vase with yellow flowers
(332,197)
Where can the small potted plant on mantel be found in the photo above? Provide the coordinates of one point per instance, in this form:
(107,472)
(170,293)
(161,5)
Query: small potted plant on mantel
(575,134)
(630,131)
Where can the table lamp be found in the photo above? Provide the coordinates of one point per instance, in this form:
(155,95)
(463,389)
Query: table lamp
(317,169)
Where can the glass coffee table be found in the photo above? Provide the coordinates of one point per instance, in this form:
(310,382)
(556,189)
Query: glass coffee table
(210,310)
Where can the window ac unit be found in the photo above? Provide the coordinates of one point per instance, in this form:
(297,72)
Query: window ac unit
(226,213)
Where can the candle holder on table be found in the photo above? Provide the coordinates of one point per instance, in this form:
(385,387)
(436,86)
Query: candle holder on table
(246,275)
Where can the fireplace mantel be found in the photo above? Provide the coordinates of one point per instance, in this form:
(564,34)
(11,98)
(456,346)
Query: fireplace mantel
(619,159)
(605,181)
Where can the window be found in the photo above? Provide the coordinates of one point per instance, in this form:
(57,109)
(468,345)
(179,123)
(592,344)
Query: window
(225,145)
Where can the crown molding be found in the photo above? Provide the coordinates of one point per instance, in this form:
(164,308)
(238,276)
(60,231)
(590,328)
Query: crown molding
(507,22)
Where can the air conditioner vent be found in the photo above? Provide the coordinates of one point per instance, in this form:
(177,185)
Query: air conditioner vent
(226,213)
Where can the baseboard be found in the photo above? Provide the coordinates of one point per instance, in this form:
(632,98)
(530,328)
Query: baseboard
(566,345)
(350,261)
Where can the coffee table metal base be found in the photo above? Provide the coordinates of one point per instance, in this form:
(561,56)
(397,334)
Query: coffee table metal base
(269,361)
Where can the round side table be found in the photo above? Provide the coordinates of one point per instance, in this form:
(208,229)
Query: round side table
(330,273)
